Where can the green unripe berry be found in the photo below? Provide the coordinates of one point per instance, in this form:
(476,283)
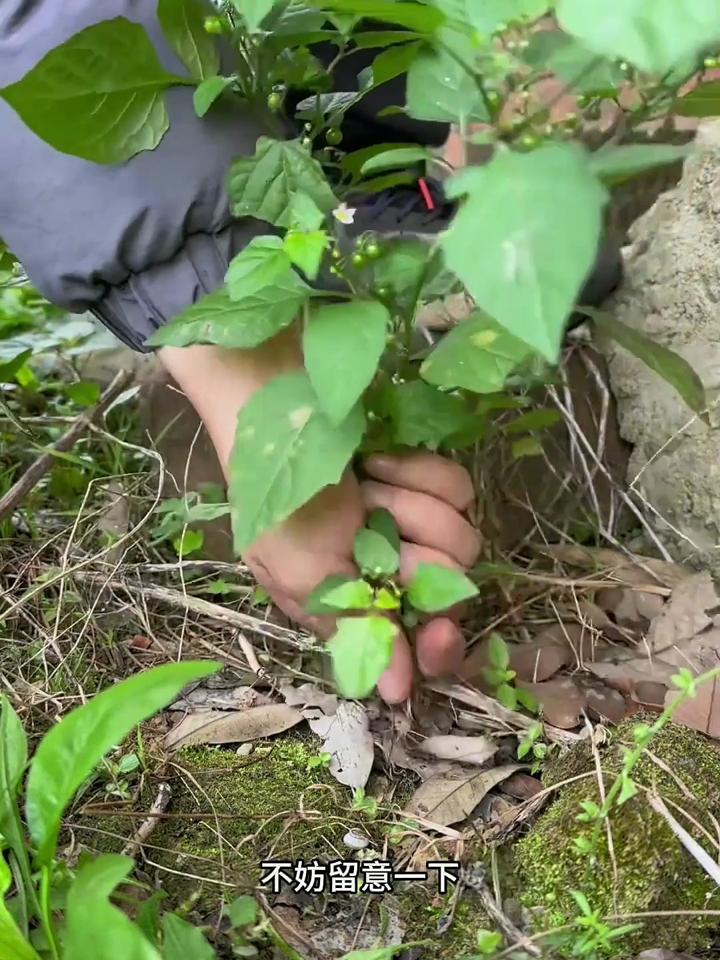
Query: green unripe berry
(274,101)
(214,26)
(372,250)
(306,142)
(383,292)
(336,255)
(529,141)
(334,136)
(358,260)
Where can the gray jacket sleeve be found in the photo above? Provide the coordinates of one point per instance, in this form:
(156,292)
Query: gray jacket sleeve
(135,243)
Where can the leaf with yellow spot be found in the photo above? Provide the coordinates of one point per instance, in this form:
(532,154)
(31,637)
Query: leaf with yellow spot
(286,450)
(477,355)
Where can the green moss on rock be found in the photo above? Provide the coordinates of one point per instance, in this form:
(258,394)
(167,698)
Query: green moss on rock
(654,872)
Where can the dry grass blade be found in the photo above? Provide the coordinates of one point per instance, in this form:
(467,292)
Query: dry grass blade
(710,866)
(627,569)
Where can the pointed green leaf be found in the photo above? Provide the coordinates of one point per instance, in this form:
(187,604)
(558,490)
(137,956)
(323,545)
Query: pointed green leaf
(536,217)
(262,264)
(13,761)
(703,101)
(477,355)
(653,36)
(422,415)
(435,588)
(375,555)
(183,23)
(616,164)
(98,96)
(361,650)
(230,323)
(242,912)
(263,186)
(13,945)
(315,604)
(254,12)
(392,159)
(414,16)
(71,750)
(441,86)
(487,15)
(306,250)
(343,344)
(208,92)
(286,450)
(352,595)
(93,926)
(498,652)
(669,365)
(394,62)
(383,522)
(183,941)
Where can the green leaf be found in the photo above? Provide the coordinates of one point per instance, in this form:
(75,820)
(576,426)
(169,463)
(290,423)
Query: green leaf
(254,12)
(352,595)
(10,368)
(477,355)
(654,37)
(703,101)
(614,165)
(343,344)
(422,415)
(353,162)
(208,92)
(669,365)
(392,159)
(226,322)
(487,15)
(534,420)
(305,214)
(361,650)
(375,555)
(183,23)
(413,16)
(286,451)
(93,926)
(263,186)
(581,69)
(315,602)
(627,790)
(498,652)
(189,541)
(306,250)
(507,695)
(183,941)
(71,750)
(84,394)
(98,96)
(536,217)
(242,912)
(435,588)
(13,760)
(13,945)
(526,447)
(442,87)
(262,264)
(394,62)
(383,522)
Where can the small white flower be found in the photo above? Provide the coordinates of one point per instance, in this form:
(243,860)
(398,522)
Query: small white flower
(344,213)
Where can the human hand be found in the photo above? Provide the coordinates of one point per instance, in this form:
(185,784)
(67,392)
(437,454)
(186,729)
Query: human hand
(427,494)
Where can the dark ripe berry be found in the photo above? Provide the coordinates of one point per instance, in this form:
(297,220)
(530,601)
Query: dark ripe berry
(213,25)
(358,260)
(372,250)
(334,136)
(274,101)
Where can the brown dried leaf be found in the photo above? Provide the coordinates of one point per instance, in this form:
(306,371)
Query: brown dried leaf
(630,569)
(538,660)
(214,726)
(623,671)
(685,614)
(606,704)
(562,701)
(475,750)
(702,712)
(447,799)
(631,607)
(522,786)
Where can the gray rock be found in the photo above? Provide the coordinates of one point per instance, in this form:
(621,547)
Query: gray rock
(672,293)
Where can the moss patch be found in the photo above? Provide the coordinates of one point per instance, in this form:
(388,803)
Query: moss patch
(654,872)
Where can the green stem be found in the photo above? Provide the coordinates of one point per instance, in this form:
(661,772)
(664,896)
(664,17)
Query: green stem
(46,912)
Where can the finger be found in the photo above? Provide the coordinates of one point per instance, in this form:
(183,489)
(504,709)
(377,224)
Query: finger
(439,648)
(323,627)
(424,472)
(395,685)
(425,520)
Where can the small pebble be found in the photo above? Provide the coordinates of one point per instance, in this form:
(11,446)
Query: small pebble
(244,750)
(355,841)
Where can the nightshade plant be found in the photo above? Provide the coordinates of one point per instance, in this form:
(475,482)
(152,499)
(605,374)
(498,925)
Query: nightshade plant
(521,243)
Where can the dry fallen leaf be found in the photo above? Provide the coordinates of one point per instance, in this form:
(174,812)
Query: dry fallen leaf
(685,614)
(631,607)
(346,736)
(562,701)
(701,712)
(522,786)
(475,750)
(447,799)
(215,726)
(629,569)
(203,698)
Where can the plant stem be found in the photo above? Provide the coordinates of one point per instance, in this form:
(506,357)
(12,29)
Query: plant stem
(46,913)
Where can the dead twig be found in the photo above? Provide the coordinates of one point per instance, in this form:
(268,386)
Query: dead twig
(144,831)
(473,877)
(37,470)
